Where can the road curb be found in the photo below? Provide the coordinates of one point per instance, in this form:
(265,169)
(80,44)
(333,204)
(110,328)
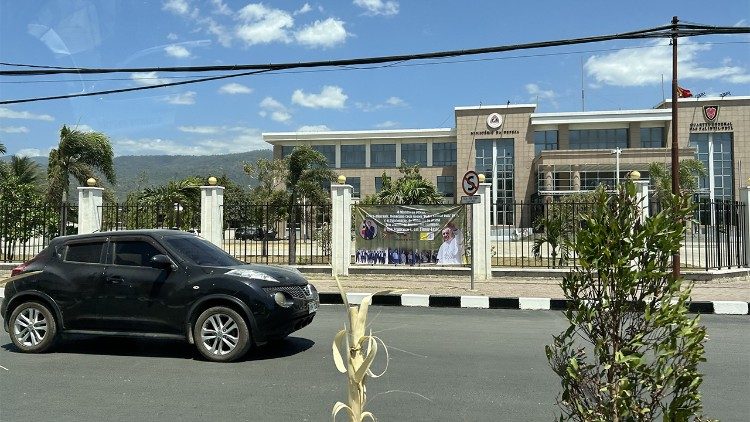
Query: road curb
(520,303)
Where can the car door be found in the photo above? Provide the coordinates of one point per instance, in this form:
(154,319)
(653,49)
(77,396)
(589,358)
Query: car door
(136,293)
(77,281)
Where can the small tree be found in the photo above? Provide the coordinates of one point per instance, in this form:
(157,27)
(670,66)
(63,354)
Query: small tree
(409,189)
(691,170)
(630,314)
(559,224)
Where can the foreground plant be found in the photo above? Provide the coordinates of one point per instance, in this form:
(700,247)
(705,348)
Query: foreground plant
(630,353)
(359,352)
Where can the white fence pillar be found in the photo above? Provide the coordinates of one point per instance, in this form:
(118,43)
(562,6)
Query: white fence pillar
(341,227)
(212,213)
(89,209)
(641,195)
(745,199)
(481,246)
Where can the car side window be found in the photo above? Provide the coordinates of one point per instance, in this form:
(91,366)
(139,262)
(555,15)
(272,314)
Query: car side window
(84,252)
(135,253)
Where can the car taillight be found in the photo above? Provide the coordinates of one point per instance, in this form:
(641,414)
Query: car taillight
(19,269)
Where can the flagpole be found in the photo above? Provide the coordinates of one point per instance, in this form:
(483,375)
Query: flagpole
(675,144)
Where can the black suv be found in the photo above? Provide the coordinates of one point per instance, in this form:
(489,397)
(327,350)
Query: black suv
(153,283)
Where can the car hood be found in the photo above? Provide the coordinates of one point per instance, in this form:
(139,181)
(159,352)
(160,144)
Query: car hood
(279,276)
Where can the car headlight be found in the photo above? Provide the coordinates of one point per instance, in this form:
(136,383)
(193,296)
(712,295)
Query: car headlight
(283,299)
(257,275)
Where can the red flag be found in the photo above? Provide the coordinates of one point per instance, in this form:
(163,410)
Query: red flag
(683,93)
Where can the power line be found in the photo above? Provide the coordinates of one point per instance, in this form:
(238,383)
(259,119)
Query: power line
(675,30)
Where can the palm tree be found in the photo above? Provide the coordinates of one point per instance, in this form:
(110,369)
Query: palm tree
(2,148)
(409,189)
(78,154)
(22,170)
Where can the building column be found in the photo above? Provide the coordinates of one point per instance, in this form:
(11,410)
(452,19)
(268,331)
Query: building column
(89,208)
(745,199)
(481,246)
(576,178)
(341,227)
(212,212)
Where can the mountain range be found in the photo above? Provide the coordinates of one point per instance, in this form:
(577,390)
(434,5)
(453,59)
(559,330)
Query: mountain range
(138,172)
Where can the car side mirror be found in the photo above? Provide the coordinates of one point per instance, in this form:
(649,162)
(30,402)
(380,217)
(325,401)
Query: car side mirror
(163,262)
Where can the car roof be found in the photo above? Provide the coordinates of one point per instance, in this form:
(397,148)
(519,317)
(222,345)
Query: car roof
(158,233)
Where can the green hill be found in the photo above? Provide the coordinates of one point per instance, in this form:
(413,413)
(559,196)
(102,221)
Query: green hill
(137,172)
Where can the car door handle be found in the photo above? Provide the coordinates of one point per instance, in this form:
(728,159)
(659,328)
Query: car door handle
(115,280)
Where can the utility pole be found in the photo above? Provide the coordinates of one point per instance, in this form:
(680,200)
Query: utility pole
(675,144)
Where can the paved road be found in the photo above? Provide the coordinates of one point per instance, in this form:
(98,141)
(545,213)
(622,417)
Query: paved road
(446,365)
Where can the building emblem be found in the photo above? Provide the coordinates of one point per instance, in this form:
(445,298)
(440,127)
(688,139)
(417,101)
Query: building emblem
(710,112)
(494,120)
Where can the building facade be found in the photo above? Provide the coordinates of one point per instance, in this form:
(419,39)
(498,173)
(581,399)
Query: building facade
(525,154)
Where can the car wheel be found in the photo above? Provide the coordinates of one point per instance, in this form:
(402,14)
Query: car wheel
(32,327)
(221,334)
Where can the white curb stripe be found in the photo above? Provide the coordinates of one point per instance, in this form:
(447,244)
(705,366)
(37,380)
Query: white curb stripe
(475,302)
(356,298)
(730,307)
(415,300)
(533,303)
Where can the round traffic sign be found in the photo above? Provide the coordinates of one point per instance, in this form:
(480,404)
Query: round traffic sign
(470,182)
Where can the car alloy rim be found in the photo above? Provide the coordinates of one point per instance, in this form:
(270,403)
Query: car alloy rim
(30,327)
(220,334)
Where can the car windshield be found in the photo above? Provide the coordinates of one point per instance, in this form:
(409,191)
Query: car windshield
(200,251)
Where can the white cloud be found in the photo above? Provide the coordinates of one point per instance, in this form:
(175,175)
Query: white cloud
(389,103)
(378,7)
(148,78)
(6,113)
(329,97)
(538,93)
(231,141)
(235,88)
(387,124)
(14,129)
(304,9)
(274,109)
(83,128)
(314,128)
(177,51)
(221,8)
(172,36)
(186,98)
(179,7)
(646,66)
(29,152)
(204,130)
(263,25)
(327,33)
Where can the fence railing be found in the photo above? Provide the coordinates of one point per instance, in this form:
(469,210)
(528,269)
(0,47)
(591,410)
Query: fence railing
(143,216)
(714,239)
(268,234)
(27,230)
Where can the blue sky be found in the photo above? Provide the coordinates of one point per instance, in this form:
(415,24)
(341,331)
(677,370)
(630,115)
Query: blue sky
(229,116)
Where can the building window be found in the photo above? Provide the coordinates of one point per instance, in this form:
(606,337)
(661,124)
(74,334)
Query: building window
(652,137)
(544,140)
(495,159)
(412,154)
(286,150)
(444,154)
(354,181)
(714,150)
(329,152)
(598,139)
(378,184)
(383,155)
(352,156)
(447,186)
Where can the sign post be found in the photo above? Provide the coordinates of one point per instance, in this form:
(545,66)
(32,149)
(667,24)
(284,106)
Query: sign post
(470,185)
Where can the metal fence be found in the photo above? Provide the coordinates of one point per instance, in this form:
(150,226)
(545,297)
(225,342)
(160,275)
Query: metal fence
(269,234)
(714,239)
(26,230)
(130,216)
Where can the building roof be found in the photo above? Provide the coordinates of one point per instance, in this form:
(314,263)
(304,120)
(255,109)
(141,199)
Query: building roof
(274,137)
(601,117)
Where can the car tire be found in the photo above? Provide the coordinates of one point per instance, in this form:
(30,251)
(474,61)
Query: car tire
(221,334)
(32,327)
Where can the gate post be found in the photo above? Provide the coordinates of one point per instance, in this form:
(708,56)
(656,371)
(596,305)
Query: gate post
(481,247)
(89,208)
(212,212)
(341,227)
(745,219)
